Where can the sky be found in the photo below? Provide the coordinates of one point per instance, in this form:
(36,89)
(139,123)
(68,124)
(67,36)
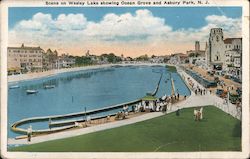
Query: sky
(131,31)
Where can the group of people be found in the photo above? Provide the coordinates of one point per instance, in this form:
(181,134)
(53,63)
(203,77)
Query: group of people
(198,114)
(190,82)
(174,98)
(199,91)
(122,114)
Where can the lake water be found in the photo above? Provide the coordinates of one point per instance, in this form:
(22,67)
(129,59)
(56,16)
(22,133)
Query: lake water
(92,89)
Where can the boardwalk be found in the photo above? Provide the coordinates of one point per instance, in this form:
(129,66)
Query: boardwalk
(191,101)
(208,99)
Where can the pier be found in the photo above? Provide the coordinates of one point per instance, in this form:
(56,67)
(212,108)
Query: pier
(157,87)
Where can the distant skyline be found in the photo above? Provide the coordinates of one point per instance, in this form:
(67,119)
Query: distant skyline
(131,31)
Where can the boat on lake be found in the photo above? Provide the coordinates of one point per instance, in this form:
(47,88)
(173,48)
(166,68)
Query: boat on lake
(14,87)
(49,86)
(31,91)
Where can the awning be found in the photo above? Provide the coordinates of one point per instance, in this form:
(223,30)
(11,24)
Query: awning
(14,69)
(149,98)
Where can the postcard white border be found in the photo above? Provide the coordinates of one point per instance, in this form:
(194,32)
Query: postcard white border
(245,85)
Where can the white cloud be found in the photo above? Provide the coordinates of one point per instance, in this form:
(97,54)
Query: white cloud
(70,22)
(128,26)
(231,27)
(38,22)
(74,30)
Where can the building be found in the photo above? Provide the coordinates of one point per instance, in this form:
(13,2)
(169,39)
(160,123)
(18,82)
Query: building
(24,59)
(49,60)
(65,61)
(197,52)
(223,53)
(128,60)
(157,59)
(233,57)
(216,48)
(197,56)
(178,58)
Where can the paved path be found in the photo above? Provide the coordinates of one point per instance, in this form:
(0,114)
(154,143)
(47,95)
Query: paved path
(87,130)
(209,99)
(192,101)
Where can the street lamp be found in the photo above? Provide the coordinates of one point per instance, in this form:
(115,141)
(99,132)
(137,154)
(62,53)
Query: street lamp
(228,90)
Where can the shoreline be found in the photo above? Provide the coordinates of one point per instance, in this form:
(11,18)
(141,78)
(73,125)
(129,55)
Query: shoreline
(38,75)
(192,101)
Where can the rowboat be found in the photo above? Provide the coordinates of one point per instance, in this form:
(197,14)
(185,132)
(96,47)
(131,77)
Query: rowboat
(31,91)
(49,86)
(14,87)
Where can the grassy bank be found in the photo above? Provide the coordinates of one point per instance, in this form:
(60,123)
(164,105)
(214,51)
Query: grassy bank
(218,131)
(171,68)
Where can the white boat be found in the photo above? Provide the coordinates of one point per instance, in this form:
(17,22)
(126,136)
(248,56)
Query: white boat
(14,87)
(49,86)
(31,91)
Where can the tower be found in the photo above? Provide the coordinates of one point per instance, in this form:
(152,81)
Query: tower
(197,46)
(207,54)
(216,47)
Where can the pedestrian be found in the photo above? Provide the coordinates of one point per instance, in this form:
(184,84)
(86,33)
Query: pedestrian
(178,112)
(133,108)
(164,108)
(178,96)
(29,133)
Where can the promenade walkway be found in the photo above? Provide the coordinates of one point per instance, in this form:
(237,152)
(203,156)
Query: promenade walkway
(192,101)
(208,99)
(76,132)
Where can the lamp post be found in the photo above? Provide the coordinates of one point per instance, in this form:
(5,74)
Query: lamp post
(228,90)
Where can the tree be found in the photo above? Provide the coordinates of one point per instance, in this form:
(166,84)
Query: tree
(83,60)
(111,58)
(142,58)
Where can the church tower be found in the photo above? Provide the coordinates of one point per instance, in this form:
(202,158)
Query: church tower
(216,47)
(197,46)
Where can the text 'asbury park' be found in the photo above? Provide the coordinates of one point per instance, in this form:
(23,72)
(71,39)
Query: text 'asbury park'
(127,3)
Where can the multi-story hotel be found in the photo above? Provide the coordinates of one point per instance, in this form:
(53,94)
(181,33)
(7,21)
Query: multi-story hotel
(24,59)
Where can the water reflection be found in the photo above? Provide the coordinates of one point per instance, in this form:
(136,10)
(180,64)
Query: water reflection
(65,79)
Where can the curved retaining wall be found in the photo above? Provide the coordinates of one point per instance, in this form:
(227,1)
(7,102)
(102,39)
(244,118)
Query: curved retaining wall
(17,129)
